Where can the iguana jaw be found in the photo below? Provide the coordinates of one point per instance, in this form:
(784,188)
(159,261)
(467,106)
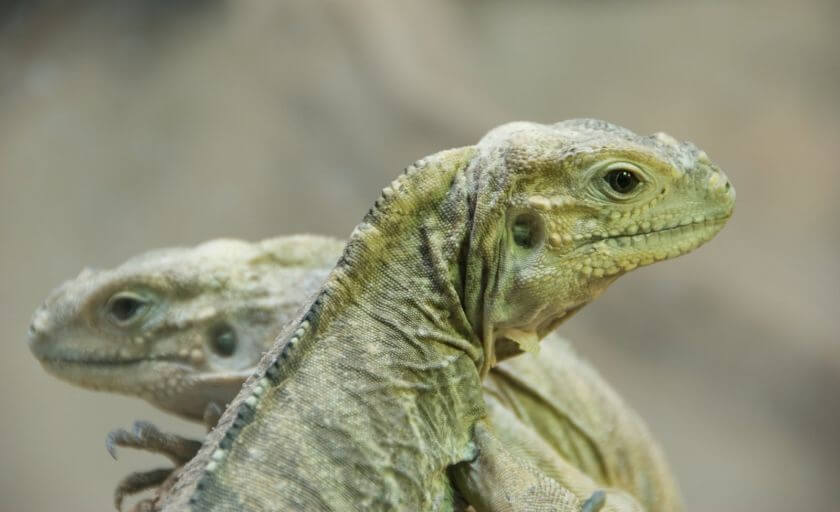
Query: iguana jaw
(176,373)
(616,255)
(166,384)
(118,375)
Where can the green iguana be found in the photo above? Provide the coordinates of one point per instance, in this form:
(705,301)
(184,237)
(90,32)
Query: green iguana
(372,398)
(206,314)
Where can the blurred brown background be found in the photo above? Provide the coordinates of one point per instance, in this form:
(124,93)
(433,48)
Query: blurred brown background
(131,125)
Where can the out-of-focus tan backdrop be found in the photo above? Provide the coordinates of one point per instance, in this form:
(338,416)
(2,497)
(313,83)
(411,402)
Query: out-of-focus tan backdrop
(131,125)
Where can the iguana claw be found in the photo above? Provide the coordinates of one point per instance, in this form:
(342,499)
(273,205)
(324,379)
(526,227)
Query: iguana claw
(595,502)
(145,436)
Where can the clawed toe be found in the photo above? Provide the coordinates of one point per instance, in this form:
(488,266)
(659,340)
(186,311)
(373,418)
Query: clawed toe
(145,436)
(595,502)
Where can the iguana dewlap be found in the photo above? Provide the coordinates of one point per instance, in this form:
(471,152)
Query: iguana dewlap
(372,397)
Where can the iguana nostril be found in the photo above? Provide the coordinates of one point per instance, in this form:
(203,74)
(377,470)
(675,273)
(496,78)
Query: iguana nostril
(38,341)
(39,325)
(727,185)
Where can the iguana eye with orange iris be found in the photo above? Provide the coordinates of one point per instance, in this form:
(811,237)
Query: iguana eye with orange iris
(622,181)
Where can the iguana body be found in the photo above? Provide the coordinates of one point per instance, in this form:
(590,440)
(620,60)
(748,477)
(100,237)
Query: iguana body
(556,396)
(372,398)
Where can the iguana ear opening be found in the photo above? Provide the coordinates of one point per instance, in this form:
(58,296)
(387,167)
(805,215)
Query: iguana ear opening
(500,237)
(523,232)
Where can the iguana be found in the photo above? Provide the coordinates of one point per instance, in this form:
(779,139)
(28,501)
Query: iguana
(372,398)
(206,314)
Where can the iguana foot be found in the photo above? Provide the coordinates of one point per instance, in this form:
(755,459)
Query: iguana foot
(138,482)
(145,436)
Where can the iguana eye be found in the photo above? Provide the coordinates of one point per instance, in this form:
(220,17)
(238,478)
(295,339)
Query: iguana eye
(223,340)
(126,307)
(622,180)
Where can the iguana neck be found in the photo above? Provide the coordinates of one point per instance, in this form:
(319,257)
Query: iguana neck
(390,319)
(404,264)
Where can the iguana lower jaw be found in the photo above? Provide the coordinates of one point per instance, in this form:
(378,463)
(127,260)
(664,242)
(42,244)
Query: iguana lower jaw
(619,254)
(177,371)
(168,385)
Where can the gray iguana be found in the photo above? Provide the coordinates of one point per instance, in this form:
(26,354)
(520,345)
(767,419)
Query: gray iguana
(372,398)
(204,316)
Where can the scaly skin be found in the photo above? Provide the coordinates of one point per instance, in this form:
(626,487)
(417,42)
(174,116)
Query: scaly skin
(557,397)
(372,398)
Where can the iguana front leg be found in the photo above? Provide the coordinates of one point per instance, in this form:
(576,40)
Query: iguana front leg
(523,443)
(497,481)
(145,436)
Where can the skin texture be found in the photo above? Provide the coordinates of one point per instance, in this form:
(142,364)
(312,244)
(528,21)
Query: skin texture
(372,398)
(552,409)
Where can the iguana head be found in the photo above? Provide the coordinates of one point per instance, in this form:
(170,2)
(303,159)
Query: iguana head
(179,327)
(574,205)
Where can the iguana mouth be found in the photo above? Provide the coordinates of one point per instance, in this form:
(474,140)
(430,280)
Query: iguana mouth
(104,363)
(626,238)
(94,362)
(606,255)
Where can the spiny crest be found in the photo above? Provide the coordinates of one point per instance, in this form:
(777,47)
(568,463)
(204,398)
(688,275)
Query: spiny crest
(386,197)
(273,374)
